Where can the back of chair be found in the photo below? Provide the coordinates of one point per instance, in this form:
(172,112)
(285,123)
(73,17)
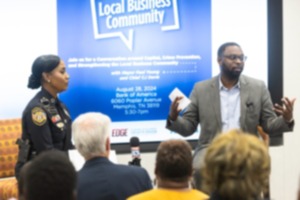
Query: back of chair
(10,130)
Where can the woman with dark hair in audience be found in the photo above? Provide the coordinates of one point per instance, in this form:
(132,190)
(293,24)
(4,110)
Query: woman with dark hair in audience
(46,123)
(173,170)
(236,166)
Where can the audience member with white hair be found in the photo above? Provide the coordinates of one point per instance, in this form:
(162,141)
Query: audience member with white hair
(100,178)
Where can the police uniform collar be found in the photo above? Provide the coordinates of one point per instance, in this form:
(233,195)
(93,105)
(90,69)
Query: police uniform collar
(48,97)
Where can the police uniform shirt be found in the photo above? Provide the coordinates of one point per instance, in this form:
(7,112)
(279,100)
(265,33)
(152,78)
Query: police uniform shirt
(46,123)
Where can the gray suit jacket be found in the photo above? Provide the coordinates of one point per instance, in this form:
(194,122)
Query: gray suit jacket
(256,109)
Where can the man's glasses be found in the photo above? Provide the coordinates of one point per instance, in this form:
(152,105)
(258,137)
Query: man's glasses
(234,57)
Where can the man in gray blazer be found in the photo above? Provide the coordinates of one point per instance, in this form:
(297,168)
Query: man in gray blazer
(229,100)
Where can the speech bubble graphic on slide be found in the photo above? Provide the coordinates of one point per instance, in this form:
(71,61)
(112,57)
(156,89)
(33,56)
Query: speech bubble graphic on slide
(128,41)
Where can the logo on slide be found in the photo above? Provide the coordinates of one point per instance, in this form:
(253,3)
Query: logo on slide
(119,18)
(122,132)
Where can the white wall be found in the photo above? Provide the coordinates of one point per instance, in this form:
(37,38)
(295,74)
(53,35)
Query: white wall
(285,160)
(28,30)
(291,149)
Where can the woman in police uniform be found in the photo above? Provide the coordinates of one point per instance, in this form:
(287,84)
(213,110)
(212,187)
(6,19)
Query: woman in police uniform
(46,123)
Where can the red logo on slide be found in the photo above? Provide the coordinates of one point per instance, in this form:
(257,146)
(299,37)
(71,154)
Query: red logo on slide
(119,132)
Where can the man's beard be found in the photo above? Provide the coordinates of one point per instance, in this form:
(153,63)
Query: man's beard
(231,74)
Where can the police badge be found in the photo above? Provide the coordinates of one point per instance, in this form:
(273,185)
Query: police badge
(38,116)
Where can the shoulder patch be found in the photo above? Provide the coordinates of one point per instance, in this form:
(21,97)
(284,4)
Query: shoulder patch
(38,116)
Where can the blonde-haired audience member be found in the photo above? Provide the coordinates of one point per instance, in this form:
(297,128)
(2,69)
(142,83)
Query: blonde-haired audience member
(173,171)
(236,166)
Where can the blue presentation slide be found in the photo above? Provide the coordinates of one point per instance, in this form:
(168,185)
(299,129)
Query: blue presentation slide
(125,57)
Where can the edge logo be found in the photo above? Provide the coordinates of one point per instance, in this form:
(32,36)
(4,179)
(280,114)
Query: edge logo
(122,132)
